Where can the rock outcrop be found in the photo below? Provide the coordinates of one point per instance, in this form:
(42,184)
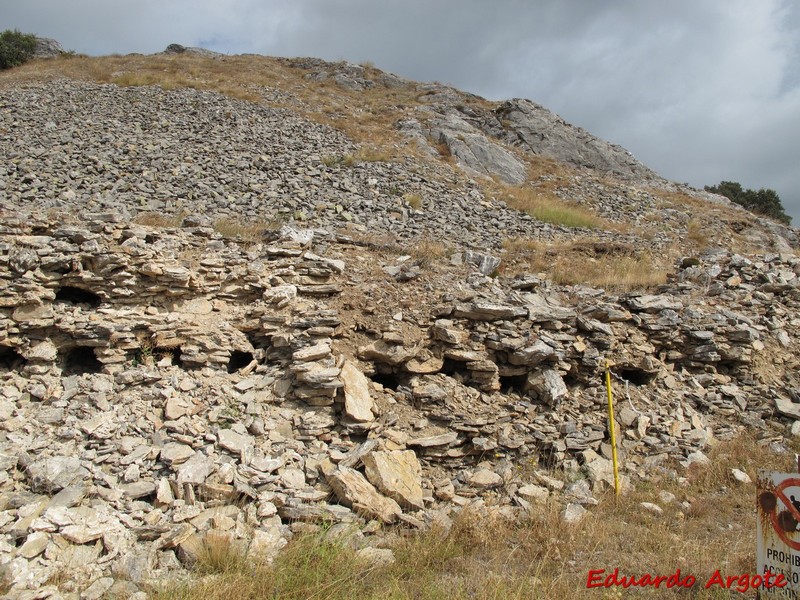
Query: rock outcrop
(47,48)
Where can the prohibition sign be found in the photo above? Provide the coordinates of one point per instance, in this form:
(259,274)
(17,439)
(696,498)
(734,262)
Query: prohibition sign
(783,518)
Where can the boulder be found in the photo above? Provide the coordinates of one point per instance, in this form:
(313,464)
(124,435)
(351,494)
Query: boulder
(354,491)
(397,475)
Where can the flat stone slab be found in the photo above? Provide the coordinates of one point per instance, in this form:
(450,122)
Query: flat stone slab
(396,474)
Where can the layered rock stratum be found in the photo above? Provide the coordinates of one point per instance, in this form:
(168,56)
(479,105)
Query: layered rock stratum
(364,359)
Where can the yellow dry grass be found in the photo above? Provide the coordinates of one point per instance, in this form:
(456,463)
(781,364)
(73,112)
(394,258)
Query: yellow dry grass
(159,219)
(613,266)
(540,199)
(245,231)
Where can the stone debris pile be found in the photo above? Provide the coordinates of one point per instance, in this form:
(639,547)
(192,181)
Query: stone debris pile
(162,387)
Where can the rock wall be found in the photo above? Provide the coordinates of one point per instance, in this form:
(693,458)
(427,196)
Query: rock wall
(159,387)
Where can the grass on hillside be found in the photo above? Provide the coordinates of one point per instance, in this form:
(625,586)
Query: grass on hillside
(600,264)
(542,203)
(710,525)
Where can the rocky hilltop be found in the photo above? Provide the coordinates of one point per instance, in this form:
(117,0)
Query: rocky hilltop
(228,318)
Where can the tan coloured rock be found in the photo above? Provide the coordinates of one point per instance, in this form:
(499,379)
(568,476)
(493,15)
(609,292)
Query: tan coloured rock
(358,403)
(380,351)
(397,475)
(354,491)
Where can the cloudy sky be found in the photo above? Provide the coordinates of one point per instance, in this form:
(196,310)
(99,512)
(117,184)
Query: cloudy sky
(699,90)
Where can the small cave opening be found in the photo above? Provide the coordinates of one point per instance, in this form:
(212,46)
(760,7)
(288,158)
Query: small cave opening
(636,376)
(76,295)
(387,380)
(11,360)
(80,360)
(455,369)
(513,383)
(239,360)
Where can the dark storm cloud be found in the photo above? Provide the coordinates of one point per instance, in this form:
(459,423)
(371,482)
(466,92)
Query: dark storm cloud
(700,90)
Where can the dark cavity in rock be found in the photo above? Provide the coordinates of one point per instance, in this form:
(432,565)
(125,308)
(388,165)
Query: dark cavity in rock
(76,295)
(79,360)
(11,360)
(239,360)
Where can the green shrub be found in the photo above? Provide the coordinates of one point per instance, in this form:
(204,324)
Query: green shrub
(763,202)
(16,48)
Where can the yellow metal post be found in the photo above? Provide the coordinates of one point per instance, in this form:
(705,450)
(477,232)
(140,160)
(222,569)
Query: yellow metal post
(611,430)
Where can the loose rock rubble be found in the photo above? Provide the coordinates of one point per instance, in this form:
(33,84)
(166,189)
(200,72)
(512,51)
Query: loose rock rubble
(165,386)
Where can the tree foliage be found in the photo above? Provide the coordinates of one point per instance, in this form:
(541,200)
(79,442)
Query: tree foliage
(16,48)
(763,202)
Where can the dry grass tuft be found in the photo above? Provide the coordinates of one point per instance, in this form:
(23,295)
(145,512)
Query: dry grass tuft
(427,251)
(613,266)
(413,200)
(219,554)
(248,232)
(159,219)
(346,160)
(372,154)
(542,203)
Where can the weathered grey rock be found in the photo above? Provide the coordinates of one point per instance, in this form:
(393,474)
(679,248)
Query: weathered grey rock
(175,453)
(378,557)
(472,150)
(179,49)
(50,475)
(486,263)
(485,311)
(573,513)
(653,304)
(196,469)
(444,439)
(34,545)
(654,509)
(266,544)
(532,355)
(484,478)
(390,354)
(548,386)
(741,476)
(788,408)
(235,442)
(47,48)
(542,132)
(534,493)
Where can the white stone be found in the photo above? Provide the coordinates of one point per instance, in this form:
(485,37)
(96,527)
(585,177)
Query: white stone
(741,476)
(652,508)
(573,513)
